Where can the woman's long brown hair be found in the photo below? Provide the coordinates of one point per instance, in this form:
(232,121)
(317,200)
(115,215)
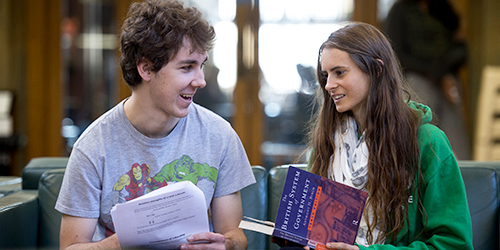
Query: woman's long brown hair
(391,127)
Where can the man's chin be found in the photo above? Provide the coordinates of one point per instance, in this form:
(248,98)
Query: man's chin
(182,113)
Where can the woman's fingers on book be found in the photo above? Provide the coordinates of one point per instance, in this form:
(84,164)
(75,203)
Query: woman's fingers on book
(341,246)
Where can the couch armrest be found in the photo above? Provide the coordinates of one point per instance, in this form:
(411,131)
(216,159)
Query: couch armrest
(19,218)
(50,218)
(254,202)
(37,166)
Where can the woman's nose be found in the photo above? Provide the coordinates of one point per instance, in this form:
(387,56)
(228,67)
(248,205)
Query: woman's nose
(331,84)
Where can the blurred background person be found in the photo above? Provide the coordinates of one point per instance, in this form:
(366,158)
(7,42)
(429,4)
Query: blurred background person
(427,38)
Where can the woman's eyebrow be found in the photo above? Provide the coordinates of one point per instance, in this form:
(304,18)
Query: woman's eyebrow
(335,68)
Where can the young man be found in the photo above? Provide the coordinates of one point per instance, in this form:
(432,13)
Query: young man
(156,136)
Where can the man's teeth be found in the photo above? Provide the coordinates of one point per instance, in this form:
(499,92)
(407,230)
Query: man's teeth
(186,96)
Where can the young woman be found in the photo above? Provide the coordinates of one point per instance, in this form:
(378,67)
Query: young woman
(369,135)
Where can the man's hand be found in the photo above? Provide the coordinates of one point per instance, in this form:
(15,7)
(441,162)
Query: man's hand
(205,241)
(227,214)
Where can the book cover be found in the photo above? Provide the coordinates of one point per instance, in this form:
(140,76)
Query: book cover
(315,210)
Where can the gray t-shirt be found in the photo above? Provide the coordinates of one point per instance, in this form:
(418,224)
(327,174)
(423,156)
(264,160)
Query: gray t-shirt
(112,162)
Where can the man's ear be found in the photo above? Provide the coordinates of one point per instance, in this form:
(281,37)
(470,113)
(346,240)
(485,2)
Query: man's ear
(144,69)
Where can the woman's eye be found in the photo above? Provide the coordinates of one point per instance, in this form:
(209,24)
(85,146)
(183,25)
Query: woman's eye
(339,72)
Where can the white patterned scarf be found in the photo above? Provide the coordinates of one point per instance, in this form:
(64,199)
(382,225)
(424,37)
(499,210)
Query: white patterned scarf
(350,167)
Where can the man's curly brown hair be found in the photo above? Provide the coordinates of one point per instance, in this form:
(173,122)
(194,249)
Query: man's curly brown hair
(155,30)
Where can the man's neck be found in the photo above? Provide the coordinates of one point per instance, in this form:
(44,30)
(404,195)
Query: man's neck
(147,120)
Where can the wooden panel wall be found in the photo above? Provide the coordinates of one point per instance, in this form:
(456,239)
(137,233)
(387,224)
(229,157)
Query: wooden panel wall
(365,11)
(12,50)
(42,78)
(248,119)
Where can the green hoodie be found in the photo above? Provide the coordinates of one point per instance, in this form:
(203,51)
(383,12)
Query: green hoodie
(448,223)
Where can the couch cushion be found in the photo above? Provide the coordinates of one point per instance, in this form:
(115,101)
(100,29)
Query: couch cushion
(254,202)
(481,188)
(19,220)
(50,218)
(37,166)
(481,184)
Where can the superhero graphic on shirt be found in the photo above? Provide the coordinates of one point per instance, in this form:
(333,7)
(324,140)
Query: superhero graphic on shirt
(138,181)
(184,169)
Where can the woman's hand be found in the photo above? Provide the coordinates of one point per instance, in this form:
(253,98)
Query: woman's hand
(205,241)
(341,246)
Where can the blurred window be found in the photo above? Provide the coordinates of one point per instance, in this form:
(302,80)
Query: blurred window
(220,69)
(383,7)
(290,35)
(89,63)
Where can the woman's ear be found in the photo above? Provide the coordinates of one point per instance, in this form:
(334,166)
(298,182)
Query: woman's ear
(144,69)
(380,66)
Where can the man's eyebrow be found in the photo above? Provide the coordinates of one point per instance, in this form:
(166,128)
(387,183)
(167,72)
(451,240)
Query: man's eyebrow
(192,61)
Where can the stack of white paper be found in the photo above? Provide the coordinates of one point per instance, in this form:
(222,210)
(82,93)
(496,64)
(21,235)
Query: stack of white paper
(163,218)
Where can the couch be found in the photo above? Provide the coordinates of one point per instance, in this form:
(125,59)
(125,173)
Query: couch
(29,220)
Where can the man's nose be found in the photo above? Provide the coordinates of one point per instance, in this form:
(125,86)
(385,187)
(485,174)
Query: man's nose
(199,80)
